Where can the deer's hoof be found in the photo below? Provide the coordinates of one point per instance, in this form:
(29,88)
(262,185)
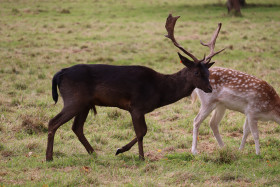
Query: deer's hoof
(141,158)
(118,151)
(49,159)
(194,152)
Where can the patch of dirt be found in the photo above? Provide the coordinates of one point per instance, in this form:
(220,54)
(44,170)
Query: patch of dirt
(154,155)
(169,149)
(235,134)
(206,147)
(155,114)
(3,173)
(7,153)
(172,118)
(33,125)
(65,11)
(160,154)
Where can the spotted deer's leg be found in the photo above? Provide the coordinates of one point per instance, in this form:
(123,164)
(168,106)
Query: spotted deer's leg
(253,124)
(216,118)
(246,130)
(201,116)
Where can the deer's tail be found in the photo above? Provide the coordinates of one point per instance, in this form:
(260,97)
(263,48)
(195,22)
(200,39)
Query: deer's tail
(55,84)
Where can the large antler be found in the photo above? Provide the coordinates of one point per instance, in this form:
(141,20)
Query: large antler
(170,24)
(211,45)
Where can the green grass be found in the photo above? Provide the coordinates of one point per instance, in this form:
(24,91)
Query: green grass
(38,38)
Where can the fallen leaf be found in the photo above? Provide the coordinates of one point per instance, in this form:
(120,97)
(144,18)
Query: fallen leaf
(30,153)
(86,169)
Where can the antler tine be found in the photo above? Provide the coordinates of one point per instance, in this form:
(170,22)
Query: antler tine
(211,44)
(170,24)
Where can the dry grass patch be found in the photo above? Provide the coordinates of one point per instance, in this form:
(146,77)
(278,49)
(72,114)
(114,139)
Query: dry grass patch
(7,153)
(33,125)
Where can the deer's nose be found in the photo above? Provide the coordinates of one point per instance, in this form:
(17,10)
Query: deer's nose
(209,89)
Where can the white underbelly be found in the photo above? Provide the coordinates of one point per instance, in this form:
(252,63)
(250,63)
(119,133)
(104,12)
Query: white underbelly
(235,105)
(233,101)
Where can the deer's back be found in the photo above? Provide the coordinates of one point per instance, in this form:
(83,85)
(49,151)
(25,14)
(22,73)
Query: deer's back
(106,85)
(240,91)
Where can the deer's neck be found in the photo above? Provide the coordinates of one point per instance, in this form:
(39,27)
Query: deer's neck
(175,86)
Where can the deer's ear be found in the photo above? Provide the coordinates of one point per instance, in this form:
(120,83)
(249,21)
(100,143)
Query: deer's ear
(208,65)
(186,61)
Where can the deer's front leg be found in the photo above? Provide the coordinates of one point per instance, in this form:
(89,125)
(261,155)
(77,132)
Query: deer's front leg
(140,128)
(126,147)
(215,121)
(203,113)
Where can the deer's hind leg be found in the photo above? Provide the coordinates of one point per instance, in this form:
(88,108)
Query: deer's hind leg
(78,128)
(64,116)
(246,130)
(253,124)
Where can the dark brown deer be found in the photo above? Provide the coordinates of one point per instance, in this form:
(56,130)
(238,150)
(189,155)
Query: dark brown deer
(137,89)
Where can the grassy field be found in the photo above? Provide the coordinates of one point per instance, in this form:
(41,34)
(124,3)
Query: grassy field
(38,38)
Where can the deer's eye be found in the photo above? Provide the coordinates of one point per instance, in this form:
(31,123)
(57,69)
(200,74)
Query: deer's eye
(196,73)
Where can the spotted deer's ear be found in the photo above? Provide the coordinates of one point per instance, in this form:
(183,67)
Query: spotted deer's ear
(186,61)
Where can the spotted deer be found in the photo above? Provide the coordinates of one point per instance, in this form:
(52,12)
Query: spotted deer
(241,92)
(136,89)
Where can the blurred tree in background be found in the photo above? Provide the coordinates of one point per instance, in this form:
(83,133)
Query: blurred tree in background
(233,7)
(242,3)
